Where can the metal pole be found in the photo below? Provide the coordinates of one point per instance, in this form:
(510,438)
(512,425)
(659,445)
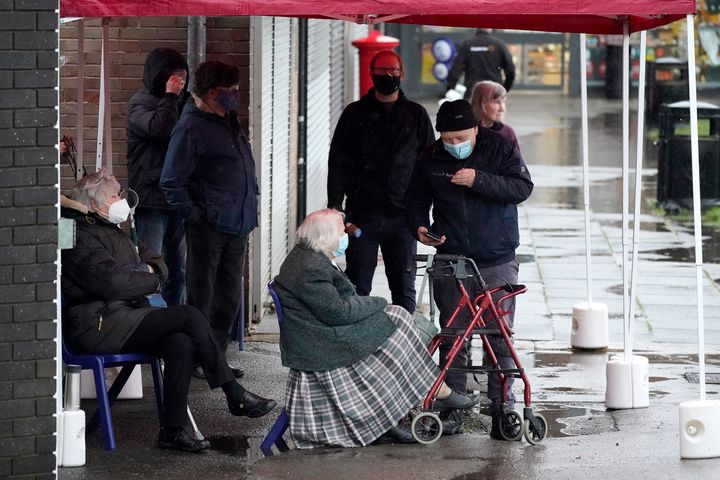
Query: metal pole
(638,185)
(695,162)
(104,136)
(195,46)
(625,187)
(586,165)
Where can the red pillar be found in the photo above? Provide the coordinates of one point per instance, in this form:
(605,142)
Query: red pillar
(368,47)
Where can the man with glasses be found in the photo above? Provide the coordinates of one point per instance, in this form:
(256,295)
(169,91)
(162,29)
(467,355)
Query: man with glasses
(209,179)
(372,156)
(473,178)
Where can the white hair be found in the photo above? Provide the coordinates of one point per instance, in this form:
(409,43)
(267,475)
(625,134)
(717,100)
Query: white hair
(93,189)
(484,92)
(319,230)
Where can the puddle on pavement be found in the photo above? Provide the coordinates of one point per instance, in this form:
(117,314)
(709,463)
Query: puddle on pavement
(248,447)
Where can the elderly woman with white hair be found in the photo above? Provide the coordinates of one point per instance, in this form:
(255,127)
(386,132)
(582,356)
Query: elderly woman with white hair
(105,283)
(357,365)
(488,102)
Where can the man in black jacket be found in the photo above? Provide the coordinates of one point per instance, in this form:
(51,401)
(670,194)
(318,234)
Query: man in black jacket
(152,114)
(372,156)
(209,179)
(482,57)
(473,179)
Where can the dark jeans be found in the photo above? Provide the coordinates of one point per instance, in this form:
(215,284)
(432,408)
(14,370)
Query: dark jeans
(214,271)
(164,232)
(181,337)
(398,249)
(446,296)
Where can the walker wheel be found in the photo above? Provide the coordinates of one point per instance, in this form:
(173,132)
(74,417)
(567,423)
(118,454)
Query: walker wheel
(426,428)
(533,435)
(511,426)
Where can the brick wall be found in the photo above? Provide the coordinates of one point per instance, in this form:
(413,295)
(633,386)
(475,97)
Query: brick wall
(131,39)
(28,233)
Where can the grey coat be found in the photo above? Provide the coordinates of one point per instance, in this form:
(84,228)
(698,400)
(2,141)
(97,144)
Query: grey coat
(327,325)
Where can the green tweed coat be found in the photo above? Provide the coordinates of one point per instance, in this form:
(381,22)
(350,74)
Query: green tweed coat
(326,325)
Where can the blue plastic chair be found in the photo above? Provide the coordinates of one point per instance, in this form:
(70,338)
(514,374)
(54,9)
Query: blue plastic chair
(105,398)
(275,435)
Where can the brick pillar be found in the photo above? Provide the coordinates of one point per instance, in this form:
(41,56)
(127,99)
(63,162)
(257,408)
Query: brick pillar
(28,236)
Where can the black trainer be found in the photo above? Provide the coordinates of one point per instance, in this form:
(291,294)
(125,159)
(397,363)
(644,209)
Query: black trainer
(176,438)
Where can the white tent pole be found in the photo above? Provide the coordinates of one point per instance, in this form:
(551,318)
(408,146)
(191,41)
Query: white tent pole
(625,187)
(695,162)
(80,132)
(586,163)
(105,107)
(638,186)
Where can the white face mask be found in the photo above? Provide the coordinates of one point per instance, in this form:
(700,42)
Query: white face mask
(118,211)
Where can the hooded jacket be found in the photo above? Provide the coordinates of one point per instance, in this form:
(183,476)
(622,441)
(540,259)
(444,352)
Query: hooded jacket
(104,283)
(152,114)
(373,154)
(480,222)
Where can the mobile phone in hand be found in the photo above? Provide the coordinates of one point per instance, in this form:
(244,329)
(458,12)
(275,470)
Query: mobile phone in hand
(433,236)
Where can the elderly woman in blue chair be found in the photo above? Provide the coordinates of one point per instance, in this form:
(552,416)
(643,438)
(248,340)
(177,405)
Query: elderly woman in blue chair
(105,283)
(357,365)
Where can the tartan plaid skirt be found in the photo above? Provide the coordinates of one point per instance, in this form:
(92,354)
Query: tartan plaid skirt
(352,406)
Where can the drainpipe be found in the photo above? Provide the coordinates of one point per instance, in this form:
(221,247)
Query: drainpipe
(302,121)
(195,46)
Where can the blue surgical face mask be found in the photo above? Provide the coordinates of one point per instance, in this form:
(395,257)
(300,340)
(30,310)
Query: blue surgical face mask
(229,100)
(342,245)
(461,151)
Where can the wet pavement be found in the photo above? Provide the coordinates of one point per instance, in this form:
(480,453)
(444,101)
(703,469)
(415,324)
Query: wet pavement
(584,439)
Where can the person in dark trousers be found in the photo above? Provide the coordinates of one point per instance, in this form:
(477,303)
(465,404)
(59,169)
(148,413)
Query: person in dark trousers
(209,179)
(105,284)
(372,155)
(152,114)
(473,178)
(482,57)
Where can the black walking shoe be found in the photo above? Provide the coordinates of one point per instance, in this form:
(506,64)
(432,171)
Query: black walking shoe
(394,435)
(176,438)
(452,422)
(454,401)
(250,405)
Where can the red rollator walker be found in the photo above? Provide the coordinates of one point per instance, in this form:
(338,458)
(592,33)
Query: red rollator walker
(487,318)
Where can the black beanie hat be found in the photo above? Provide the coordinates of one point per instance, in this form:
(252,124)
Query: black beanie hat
(455,116)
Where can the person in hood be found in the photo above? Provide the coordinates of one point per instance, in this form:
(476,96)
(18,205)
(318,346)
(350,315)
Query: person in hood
(472,178)
(209,179)
(372,156)
(152,114)
(105,284)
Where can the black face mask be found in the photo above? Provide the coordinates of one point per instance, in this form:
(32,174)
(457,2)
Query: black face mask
(386,84)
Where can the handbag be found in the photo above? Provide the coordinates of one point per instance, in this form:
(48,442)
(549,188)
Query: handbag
(426,329)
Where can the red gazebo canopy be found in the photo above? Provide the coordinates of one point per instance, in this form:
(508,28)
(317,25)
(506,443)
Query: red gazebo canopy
(581,16)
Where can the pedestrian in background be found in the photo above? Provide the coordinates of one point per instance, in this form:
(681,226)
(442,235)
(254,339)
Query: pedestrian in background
(372,156)
(473,178)
(152,114)
(482,57)
(209,178)
(488,102)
